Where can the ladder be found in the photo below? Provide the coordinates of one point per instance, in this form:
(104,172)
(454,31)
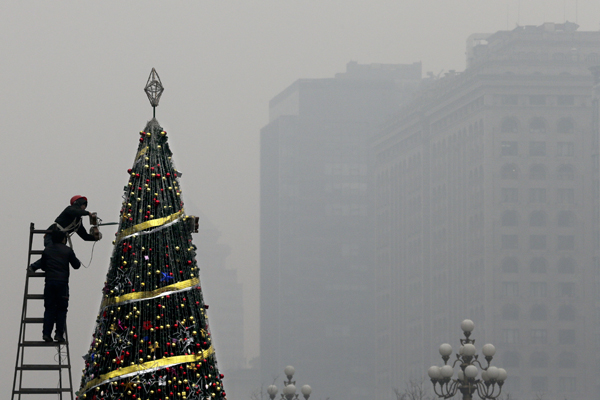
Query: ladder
(37,372)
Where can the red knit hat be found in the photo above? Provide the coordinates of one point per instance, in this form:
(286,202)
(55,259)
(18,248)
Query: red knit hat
(75,198)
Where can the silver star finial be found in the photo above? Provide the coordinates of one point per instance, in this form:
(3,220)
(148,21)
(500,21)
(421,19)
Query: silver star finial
(154,89)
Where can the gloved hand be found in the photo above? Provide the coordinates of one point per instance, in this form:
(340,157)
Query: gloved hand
(95,233)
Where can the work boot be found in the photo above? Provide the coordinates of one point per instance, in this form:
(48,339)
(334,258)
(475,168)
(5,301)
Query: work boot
(59,338)
(47,338)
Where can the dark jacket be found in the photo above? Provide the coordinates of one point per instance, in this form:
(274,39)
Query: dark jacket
(71,216)
(55,262)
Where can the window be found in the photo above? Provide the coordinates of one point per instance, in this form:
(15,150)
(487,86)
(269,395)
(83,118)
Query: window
(566,336)
(567,359)
(537,195)
(537,242)
(566,313)
(510,265)
(509,241)
(565,218)
(510,289)
(511,359)
(539,336)
(537,100)
(510,100)
(538,289)
(537,125)
(537,148)
(566,289)
(565,172)
(565,149)
(510,336)
(509,195)
(565,125)
(510,312)
(538,265)
(510,218)
(510,149)
(539,384)
(537,172)
(565,196)
(565,100)
(510,171)
(539,313)
(565,242)
(509,125)
(566,265)
(537,218)
(538,359)
(567,384)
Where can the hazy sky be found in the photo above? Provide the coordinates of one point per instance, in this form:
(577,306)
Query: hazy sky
(72,104)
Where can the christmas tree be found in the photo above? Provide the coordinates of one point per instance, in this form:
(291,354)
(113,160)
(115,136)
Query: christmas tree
(152,339)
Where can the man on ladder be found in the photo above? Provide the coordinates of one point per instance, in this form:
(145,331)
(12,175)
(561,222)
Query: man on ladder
(69,221)
(55,262)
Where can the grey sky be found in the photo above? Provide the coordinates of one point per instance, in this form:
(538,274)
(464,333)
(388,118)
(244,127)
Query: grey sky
(72,103)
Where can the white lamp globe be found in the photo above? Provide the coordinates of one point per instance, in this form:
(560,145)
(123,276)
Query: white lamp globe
(447,371)
(471,371)
(502,375)
(461,375)
(488,350)
(306,390)
(289,390)
(289,371)
(467,325)
(272,390)
(469,349)
(445,349)
(434,372)
(484,376)
(493,373)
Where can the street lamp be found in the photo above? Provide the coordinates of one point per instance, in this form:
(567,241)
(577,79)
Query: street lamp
(289,387)
(492,378)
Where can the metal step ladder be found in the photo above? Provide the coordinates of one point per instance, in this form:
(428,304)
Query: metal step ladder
(32,372)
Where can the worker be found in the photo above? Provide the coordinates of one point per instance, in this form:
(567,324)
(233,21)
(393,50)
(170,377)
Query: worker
(69,221)
(55,262)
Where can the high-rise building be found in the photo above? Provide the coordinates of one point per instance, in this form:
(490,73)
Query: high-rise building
(317,282)
(487,208)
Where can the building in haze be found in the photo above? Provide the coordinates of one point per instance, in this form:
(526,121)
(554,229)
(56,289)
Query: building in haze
(317,270)
(224,296)
(487,208)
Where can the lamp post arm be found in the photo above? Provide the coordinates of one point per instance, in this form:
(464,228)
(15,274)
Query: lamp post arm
(487,391)
(447,389)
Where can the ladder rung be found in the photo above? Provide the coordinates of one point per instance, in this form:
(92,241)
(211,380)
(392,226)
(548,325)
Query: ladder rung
(32,343)
(30,320)
(36,274)
(34,296)
(40,231)
(43,367)
(36,252)
(42,390)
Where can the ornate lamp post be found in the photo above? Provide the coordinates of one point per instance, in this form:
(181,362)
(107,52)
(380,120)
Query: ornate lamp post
(489,386)
(289,387)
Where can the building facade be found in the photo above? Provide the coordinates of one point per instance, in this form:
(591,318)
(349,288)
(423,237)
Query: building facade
(317,282)
(487,208)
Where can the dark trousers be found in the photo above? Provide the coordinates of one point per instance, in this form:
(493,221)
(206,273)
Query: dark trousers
(56,302)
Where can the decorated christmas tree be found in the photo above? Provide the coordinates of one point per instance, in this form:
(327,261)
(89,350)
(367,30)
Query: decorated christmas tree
(152,339)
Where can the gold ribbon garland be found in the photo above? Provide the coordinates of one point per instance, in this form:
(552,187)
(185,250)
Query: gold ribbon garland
(111,301)
(147,366)
(153,223)
(141,153)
